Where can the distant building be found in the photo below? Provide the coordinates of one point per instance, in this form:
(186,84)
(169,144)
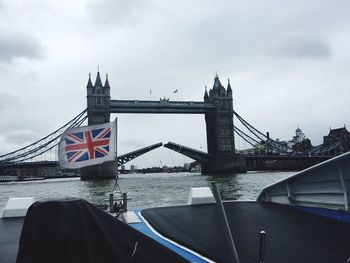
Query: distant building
(196,169)
(299,136)
(282,146)
(187,166)
(133,168)
(299,142)
(335,135)
(338,141)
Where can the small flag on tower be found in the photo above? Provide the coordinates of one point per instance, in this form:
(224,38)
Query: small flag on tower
(88,145)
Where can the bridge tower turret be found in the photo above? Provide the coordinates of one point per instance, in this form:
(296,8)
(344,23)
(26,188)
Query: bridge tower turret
(98,101)
(229,90)
(220,132)
(206,96)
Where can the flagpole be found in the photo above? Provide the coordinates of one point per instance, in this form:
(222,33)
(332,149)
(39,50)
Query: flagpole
(111,195)
(115,145)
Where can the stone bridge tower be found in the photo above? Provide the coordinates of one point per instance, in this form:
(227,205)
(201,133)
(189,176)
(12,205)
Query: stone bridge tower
(98,111)
(220,131)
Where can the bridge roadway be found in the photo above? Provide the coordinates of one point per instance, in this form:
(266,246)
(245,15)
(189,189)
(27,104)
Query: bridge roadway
(194,154)
(9,165)
(282,162)
(286,157)
(161,106)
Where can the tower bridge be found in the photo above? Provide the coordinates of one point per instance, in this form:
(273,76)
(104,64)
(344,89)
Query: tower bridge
(217,108)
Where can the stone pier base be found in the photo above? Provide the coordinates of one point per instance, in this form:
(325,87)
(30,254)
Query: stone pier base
(228,163)
(102,171)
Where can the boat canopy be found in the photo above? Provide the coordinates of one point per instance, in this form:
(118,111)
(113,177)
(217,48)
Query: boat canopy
(324,185)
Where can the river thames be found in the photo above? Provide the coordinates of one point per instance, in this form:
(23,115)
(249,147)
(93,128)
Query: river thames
(146,190)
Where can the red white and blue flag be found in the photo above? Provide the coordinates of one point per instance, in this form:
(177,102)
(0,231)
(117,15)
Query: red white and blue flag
(88,145)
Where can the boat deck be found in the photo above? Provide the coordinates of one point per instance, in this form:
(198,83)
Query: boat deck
(292,234)
(10,232)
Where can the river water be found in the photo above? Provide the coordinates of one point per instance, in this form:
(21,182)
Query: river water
(146,190)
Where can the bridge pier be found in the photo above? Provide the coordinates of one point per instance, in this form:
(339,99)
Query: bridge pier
(106,170)
(225,163)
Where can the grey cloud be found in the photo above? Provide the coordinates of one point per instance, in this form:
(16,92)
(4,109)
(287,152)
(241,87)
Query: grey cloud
(133,143)
(302,46)
(21,136)
(110,12)
(177,45)
(6,100)
(15,45)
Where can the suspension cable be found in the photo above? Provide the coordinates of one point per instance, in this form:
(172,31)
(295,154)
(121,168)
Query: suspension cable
(242,132)
(48,149)
(77,117)
(38,146)
(272,142)
(238,133)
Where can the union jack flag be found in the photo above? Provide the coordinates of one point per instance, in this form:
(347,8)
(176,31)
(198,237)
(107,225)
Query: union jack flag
(87,145)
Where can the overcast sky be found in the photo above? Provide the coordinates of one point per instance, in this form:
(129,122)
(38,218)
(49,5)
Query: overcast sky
(288,62)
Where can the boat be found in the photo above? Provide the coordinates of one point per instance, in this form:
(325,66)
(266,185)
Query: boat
(304,218)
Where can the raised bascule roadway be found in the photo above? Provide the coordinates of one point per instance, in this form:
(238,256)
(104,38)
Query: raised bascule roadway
(217,108)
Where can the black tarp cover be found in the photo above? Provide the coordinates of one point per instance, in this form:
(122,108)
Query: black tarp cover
(292,235)
(72,230)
